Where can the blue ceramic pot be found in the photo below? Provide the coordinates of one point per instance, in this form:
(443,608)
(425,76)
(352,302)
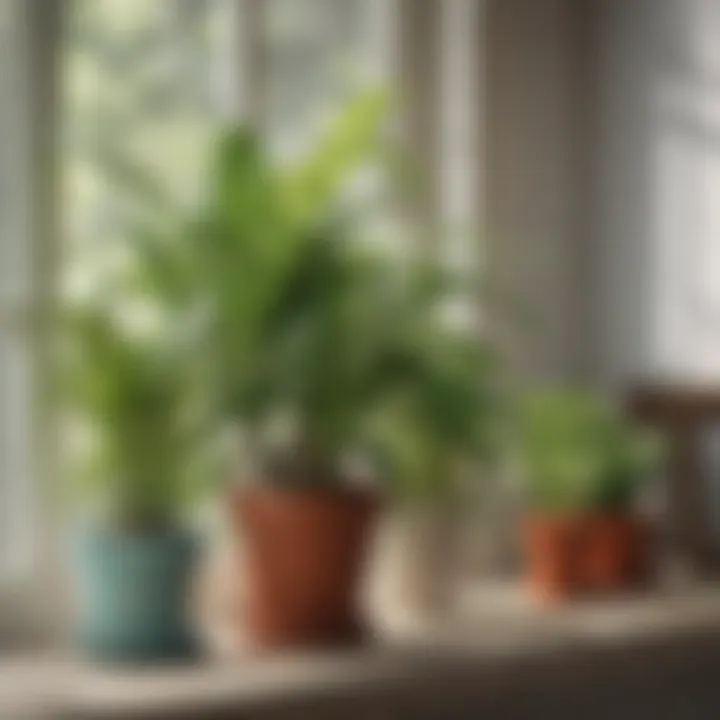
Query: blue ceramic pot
(134,594)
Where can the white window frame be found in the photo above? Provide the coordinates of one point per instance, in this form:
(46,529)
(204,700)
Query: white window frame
(29,316)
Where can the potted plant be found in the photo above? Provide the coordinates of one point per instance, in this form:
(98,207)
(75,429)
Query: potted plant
(584,464)
(302,324)
(138,420)
(135,564)
(432,437)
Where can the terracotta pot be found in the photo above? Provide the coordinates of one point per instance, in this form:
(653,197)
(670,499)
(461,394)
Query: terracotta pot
(615,552)
(304,552)
(574,554)
(550,547)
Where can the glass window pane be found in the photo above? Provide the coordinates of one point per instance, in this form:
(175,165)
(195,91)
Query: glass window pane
(319,52)
(143,85)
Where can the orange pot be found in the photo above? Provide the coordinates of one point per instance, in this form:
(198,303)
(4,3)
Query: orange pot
(571,555)
(305,552)
(550,547)
(615,553)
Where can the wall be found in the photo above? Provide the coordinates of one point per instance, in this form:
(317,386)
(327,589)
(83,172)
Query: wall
(531,192)
(603,184)
(660,79)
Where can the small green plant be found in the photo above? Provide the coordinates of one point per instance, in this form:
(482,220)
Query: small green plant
(133,396)
(440,421)
(580,453)
(139,417)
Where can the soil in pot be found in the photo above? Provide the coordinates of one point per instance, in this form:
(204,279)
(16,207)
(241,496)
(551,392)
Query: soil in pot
(304,555)
(134,593)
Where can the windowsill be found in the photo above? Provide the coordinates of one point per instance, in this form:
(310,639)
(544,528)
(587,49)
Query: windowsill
(502,645)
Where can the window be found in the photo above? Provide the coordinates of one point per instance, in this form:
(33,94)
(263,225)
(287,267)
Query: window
(28,30)
(318,53)
(144,82)
(14,287)
(148,81)
(18,289)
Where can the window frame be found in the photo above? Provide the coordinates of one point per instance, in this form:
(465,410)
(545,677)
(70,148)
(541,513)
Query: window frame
(24,604)
(27,591)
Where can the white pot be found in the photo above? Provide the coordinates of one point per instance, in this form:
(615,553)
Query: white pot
(418,563)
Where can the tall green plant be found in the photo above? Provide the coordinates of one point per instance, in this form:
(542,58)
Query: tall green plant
(305,329)
(300,313)
(344,344)
(288,313)
(268,248)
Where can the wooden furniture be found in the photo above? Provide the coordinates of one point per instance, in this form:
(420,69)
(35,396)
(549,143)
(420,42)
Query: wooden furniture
(684,415)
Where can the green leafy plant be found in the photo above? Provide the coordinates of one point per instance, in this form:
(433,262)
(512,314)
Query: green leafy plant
(580,453)
(133,396)
(440,421)
(302,318)
(291,316)
(139,417)
(312,328)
